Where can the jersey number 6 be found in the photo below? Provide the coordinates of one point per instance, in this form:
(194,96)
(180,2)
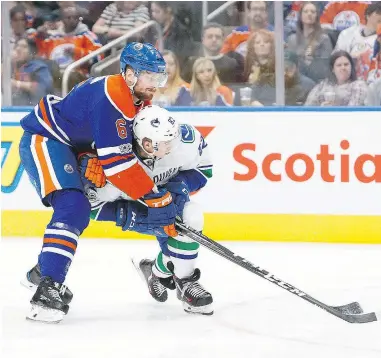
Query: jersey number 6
(121,128)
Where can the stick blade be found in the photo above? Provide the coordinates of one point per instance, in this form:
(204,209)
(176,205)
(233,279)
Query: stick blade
(360,318)
(350,308)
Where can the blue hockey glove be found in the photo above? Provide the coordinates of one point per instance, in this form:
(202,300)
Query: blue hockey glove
(161,211)
(180,194)
(132,216)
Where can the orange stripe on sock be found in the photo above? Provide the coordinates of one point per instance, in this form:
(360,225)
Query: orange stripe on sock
(49,240)
(46,177)
(115,159)
(43,111)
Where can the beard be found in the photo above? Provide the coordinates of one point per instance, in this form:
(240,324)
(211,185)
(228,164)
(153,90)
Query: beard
(144,96)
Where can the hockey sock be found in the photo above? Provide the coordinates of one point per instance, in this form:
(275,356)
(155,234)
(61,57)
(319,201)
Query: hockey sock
(183,253)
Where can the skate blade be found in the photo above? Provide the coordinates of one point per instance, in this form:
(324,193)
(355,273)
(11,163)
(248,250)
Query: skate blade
(29,285)
(206,310)
(43,314)
(136,263)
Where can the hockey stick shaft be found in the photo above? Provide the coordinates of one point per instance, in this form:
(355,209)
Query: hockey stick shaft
(240,261)
(340,312)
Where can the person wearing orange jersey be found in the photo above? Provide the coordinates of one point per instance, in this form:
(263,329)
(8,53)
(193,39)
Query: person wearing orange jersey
(258,17)
(70,42)
(340,15)
(96,117)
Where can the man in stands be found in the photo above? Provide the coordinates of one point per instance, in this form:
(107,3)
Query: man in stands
(212,41)
(258,19)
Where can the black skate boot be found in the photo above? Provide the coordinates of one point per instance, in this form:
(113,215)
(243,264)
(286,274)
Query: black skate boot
(194,297)
(157,286)
(33,279)
(47,304)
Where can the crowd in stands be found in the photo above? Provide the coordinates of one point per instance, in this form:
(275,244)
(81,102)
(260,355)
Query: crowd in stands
(332,50)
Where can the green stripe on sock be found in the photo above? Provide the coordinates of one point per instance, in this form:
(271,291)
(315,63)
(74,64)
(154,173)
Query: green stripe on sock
(183,245)
(207,172)
(160,264)
(94,213)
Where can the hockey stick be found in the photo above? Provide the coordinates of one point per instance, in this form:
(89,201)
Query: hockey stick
(350,312)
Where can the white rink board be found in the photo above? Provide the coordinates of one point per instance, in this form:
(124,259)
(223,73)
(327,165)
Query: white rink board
(285,133)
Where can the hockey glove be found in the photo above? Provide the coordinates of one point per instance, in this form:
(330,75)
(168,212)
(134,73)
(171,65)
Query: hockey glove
(180,194)
(91,170)
(132,216)
(162,210)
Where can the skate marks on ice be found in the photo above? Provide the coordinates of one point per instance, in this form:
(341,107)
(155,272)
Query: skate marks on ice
(113,314)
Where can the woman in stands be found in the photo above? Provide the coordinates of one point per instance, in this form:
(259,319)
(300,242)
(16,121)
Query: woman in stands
(167,96)
(312,46)
(205,88)
(31,77)
(341,88)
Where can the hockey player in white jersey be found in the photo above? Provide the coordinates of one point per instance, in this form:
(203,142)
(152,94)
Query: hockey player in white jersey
(176,157)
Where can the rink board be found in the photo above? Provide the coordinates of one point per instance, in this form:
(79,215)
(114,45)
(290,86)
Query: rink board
(278,176)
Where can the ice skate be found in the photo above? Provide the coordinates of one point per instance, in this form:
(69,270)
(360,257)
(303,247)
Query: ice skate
(33,278)
(194,297)
(157,286)
(47,304)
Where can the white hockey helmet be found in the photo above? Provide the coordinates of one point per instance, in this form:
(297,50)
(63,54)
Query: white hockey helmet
(158,125)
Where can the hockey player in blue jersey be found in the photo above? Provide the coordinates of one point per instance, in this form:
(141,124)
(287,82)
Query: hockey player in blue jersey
(96,116)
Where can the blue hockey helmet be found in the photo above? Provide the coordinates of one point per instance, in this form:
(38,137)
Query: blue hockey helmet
(143,57)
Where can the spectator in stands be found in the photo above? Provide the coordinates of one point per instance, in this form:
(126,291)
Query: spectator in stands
(31,12)
(359,40)
(340,15)
(341,88)
(18,23)
(177,37)
(120,17)
(375,66)
(260,59)
(262,79)
(374,94)
(167,96)
(205,88)
(70,42)
(212,40)
(258,19)
(312,46)
(31,78)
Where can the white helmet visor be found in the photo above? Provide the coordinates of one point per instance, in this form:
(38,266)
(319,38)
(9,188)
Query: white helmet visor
(153,79)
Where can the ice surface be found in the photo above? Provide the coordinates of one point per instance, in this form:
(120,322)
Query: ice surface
(112,314)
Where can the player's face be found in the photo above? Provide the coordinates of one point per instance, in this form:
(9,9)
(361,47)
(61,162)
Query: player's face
(147,84)
(160,151)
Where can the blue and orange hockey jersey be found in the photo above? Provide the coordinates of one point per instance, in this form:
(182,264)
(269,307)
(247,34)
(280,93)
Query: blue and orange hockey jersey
(96,115)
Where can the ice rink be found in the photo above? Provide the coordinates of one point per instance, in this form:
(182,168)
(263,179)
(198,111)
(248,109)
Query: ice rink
(112,314)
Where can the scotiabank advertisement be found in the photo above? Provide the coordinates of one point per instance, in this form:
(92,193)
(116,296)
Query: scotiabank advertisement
(310,172)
